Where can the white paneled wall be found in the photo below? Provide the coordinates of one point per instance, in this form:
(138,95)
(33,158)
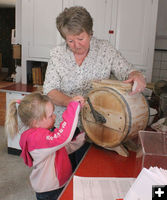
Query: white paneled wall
(159,66)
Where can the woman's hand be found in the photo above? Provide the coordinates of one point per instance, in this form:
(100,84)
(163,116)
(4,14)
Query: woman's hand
(137,79)
(79,99)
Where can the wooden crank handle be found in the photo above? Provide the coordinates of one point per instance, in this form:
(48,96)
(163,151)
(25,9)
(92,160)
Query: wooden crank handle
(97,116)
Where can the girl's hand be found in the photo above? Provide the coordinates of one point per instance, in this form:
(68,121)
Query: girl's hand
(138,81)
(79,99)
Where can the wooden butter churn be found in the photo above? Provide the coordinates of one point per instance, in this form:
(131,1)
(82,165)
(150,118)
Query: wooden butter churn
(120,115)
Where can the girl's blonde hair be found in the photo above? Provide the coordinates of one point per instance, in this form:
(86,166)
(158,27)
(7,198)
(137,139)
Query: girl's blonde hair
(32,107)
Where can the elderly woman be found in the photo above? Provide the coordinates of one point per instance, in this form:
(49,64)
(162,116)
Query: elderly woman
(81,59)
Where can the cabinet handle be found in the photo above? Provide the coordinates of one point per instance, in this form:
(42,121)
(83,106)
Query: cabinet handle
(111,31)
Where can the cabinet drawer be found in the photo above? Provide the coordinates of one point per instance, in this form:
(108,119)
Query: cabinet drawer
(12,95)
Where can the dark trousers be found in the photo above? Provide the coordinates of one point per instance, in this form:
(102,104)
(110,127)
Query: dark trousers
(76,156)
(51,195)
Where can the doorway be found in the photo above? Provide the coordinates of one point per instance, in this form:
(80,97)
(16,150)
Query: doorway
(160,55)
(7,23)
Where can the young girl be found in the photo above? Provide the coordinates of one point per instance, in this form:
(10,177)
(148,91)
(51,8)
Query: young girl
(43,149)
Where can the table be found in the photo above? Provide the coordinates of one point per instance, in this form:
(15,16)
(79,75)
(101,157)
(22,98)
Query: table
(99,162)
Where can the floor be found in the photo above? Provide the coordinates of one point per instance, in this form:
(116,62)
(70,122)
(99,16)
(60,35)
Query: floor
(14,175)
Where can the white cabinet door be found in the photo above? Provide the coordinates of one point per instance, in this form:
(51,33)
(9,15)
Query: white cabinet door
(135,32)
(18,21)
(43,32)
(103,13)
(132,29)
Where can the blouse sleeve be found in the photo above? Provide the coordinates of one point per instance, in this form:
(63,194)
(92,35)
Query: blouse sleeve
(52,77)
(120,67)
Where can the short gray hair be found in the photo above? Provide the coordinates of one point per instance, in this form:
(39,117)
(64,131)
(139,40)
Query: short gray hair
(74,20)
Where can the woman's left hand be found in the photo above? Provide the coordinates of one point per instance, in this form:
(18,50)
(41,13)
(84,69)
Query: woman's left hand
(137,79)
(79,99)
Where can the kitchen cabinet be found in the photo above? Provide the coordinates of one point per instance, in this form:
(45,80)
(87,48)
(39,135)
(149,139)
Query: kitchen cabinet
(18,19)
(129,25)
(13,143)
(15,91)
(43,33)
(135,32)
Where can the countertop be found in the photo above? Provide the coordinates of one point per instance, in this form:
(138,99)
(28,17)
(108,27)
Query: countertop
(20,88)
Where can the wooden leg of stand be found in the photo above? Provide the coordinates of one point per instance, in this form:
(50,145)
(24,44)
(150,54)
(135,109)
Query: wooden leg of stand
(131,145)
(121,150)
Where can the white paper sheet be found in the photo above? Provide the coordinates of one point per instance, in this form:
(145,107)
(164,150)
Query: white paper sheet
(100,188)
(141,189)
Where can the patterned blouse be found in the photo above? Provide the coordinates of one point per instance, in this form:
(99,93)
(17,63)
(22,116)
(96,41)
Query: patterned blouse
(64,74)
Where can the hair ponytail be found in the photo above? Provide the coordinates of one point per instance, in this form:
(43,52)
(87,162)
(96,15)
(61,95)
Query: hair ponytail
(31,107)
(11,122)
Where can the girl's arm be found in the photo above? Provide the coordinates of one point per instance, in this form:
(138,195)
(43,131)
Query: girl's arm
(76,143)
(70,120)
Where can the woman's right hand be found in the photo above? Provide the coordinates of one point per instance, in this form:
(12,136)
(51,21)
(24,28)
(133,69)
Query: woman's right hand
(79,99)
